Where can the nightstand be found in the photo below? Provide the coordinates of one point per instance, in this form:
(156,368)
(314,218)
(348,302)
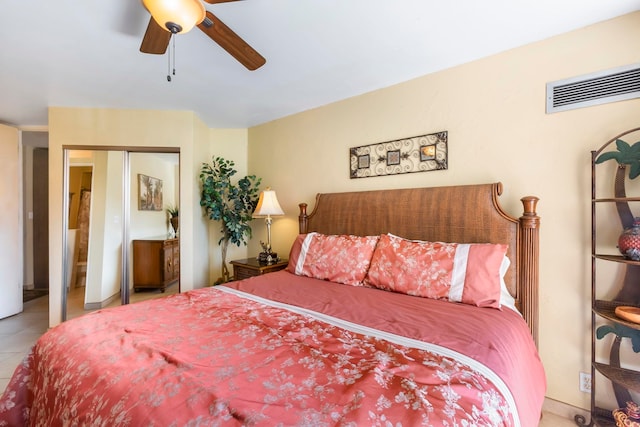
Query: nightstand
(243,268)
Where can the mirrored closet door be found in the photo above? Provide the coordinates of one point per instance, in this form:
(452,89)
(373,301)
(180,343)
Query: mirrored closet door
(120,246)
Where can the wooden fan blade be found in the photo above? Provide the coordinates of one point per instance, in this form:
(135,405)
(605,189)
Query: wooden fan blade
(155,39)
(231,42)
(219,1)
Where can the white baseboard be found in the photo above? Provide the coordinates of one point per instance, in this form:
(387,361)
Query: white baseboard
(101,304)
(564,410)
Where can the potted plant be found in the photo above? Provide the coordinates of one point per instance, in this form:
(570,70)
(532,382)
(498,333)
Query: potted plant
(173,212)
(231,204)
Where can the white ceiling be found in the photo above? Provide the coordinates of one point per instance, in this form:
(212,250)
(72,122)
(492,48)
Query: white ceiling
(85,53)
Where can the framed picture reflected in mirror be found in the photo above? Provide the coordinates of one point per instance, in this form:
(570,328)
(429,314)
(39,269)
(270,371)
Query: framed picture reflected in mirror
(149,193)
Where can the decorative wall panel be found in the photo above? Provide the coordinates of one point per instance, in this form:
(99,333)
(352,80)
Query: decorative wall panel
(415,154)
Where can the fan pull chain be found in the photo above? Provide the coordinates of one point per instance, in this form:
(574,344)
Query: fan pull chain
(169,63)
(169,57)
(174,54)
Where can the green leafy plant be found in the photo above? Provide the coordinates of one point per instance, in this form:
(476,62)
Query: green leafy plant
(173,211)
(626,155)
(231,204)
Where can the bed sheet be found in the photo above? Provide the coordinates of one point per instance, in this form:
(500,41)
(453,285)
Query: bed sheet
(318,353)
(499,339)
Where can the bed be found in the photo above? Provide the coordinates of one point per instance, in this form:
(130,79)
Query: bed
(343,336)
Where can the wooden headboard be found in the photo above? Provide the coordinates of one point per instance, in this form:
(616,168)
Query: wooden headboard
(460,214)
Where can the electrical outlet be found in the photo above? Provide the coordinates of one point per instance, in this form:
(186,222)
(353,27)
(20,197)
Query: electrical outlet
(585,382)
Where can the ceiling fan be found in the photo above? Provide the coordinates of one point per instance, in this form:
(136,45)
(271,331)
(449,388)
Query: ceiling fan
(169,17)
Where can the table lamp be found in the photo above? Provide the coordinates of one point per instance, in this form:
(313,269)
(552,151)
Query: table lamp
(267,207)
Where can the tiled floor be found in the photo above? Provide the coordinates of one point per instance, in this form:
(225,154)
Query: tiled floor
(18,333)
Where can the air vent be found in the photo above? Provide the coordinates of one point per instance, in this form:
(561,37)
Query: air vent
(602,87)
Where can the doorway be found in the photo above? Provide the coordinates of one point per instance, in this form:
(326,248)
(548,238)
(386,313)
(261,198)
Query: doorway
(41,219)
(35,205)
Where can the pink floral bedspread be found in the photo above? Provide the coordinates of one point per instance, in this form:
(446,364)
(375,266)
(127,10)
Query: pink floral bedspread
(213,358)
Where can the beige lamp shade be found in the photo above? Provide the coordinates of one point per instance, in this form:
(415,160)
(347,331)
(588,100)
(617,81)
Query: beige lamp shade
(267,205)
(185,14)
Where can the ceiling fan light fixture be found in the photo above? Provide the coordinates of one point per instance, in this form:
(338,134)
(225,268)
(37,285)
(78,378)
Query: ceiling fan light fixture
(176,16)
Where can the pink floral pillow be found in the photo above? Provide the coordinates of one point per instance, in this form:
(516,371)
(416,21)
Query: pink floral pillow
(338,258)
(294,253)
(466,273)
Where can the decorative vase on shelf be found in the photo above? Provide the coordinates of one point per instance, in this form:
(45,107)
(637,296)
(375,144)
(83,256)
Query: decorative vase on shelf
(629,241)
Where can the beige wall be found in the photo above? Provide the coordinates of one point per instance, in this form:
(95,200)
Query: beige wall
(105,236)
(131,128)
(145,224)
(494,111)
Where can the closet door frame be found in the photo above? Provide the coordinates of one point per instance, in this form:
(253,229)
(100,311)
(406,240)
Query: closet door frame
(125,212)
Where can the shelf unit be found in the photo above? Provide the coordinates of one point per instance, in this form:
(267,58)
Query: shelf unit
(627,291)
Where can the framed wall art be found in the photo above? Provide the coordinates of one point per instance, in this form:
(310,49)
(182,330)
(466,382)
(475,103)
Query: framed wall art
(149,193)
(408,155)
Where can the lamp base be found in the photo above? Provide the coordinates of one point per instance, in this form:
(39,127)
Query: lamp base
(267,257)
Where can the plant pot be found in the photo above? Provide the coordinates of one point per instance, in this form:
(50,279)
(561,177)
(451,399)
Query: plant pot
(175,222)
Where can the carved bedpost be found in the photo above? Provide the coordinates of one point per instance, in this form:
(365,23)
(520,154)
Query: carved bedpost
(302,218)
(530,251)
